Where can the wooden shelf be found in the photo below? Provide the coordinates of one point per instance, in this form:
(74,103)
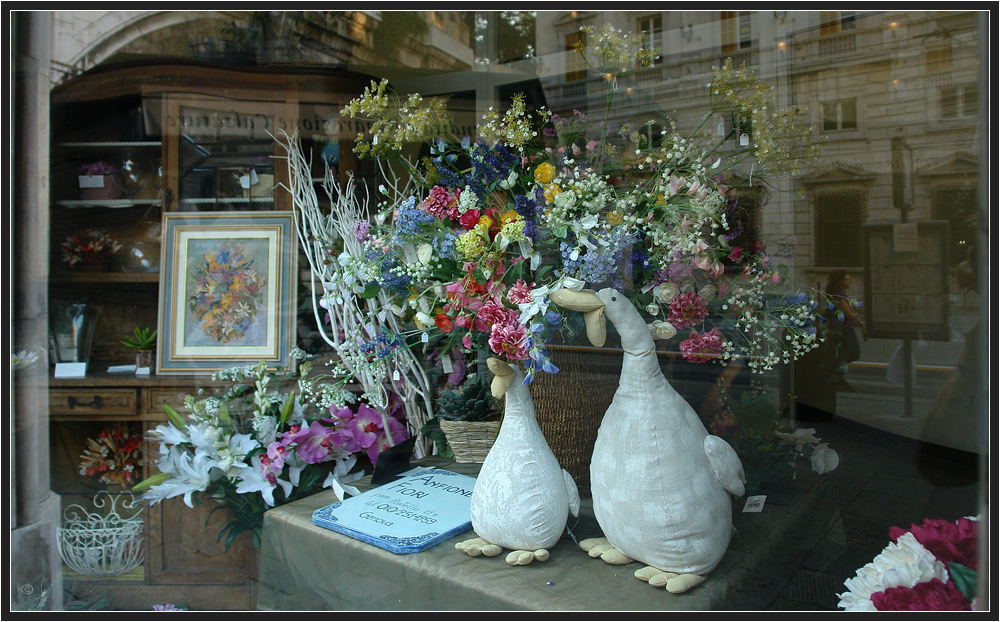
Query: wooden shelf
(105,277)
(111,203)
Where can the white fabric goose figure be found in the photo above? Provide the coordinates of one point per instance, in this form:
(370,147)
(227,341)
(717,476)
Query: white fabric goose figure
(658,479)
(522,496)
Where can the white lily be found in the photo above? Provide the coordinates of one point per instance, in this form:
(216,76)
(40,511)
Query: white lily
(252,480)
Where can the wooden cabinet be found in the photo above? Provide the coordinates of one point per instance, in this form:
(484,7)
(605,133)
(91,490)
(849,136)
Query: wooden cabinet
(182,137)
(184,561)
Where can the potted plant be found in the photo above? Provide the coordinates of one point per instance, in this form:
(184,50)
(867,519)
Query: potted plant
(469,417)
(99,181)
(143,341)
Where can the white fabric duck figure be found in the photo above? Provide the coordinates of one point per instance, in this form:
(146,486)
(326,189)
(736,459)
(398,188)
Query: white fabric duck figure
(659,481)
(522,496)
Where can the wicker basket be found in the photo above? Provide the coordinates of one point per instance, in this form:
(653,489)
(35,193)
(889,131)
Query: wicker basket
(470,440)
(569,405)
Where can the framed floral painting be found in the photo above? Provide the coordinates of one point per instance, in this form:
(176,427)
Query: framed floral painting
(226,291)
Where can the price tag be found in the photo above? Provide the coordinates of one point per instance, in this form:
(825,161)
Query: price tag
(91,181)
(446,364)
(754,503)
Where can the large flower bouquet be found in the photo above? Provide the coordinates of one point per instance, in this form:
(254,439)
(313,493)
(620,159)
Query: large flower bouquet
(485,230)
(270,438)
(929,567)
(114,457)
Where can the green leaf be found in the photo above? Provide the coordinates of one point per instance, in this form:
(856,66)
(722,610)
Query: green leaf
(149,482)
(964,579)
(559,232)
(174,417)
(371,291)
(286,409)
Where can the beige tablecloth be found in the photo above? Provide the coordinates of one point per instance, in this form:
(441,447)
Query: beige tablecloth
(304,567)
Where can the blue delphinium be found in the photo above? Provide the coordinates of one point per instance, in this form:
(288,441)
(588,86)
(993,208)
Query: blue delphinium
(411,221)
(599,264)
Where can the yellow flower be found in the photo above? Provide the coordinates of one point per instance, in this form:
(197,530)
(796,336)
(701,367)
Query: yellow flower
(544,173)
(508,216)
(614,218)
(485,222)
(551,191)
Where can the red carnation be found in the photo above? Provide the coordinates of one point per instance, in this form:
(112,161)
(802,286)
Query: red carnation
(930,595)
(947,541)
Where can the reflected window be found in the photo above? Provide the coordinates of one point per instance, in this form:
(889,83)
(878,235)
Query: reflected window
(937,58)
(841,114)
(576,68)
(959,101)
(832,22)
(736,31)
(652,25)
(838,227)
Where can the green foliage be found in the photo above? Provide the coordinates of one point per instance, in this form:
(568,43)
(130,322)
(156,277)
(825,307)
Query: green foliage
(750,424)
(964,579)
(141,339)
(472,401)
(432,430)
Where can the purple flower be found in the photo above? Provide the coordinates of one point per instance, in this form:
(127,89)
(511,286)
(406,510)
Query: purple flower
(168,607)
(314,444)
(364,431)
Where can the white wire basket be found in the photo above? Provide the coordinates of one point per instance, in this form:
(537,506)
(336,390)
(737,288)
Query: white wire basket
(102,544)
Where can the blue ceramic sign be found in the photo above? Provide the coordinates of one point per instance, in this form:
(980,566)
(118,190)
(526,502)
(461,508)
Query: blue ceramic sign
(409,515)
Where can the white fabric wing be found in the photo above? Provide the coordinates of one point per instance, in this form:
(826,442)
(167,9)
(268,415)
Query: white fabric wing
(726,464)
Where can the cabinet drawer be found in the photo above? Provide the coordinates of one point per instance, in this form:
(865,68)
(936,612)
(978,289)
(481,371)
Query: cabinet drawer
(92,401)
(156,398)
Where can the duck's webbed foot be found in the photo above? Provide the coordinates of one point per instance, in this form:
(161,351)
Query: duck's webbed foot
(523,558)
(477,546)
(674,583)
(600,547)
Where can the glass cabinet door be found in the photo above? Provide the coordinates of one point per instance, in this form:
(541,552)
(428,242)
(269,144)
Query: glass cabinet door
(221,155)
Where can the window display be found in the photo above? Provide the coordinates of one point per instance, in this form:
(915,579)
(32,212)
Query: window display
(704,284)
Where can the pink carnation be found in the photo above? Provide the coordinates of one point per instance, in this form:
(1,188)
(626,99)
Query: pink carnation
(687,309)
(699,348)
(933,595)
(493,314)
(520,292)
(509,340)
